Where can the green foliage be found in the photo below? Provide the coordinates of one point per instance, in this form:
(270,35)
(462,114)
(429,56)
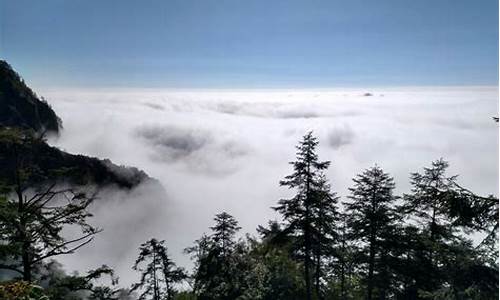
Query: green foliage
(440,262)
(342,280)
(21,290)
(218,259)
(185,295)
(224,231)
(430,198)
(372,220)
(273,274)
(311,213)
(352,288)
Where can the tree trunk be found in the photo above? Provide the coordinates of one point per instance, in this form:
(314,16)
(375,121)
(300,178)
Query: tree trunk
(342,271)
(307,261)
(371,265)
(156,295)
(318,274)
(23,237)
(307,233)
(342,259)
(170,295)
(318,260)
(26,262)
(385,278)
(371,260)
(342,282)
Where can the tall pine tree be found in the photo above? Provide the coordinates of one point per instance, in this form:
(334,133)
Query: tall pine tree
(217,272)
(447,262)
(159,274)
(371,217)
(325,218)
(298,212)
(428,204)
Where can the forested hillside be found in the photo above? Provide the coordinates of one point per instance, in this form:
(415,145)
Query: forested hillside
(21,107)
(25,120)
(48,163)
(372,244)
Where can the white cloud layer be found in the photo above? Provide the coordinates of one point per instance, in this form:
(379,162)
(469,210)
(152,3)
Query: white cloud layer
(227,150)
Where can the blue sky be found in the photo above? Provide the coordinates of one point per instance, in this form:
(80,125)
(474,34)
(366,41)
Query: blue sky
(251,43)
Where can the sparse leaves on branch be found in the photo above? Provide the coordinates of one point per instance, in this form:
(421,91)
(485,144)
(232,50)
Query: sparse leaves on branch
(159,274)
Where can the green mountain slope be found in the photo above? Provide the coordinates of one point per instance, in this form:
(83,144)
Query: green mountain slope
(21,107)
(23,119)
(22,150)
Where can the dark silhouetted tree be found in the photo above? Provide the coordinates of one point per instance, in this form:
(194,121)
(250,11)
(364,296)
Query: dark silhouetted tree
(325,218)
(428,204)
(298,211)
(272,274)
(343,262)
(224,232)
(371,217)
(218,266)
(446,261)
(159,274)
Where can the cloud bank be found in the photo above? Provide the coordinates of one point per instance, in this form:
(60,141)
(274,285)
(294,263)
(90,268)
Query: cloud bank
(227,150)
(197,148)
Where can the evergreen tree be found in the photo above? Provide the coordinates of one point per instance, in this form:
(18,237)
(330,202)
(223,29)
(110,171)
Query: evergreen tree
(371,218)
(325,218)
(428,204)
(343,262)
(159,274)
(298,211)
(224,232)
(218,265)
(272,274)
(443,209)
(477,214)
(430,197)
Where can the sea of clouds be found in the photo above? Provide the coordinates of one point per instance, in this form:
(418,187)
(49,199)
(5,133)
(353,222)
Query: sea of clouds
(216,150)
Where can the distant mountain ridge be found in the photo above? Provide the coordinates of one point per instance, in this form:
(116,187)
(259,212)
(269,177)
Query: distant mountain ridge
(22,149)
(23,118)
